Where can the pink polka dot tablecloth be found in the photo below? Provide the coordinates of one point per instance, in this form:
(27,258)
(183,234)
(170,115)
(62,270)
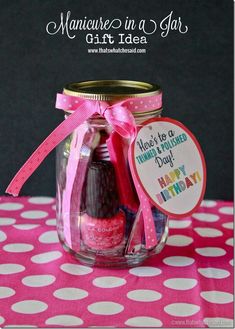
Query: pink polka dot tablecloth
(189,284)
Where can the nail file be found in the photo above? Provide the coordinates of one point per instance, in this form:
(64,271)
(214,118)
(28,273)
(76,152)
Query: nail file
(134,242)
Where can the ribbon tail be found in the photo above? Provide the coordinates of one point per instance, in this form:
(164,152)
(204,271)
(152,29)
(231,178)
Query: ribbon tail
(83,112)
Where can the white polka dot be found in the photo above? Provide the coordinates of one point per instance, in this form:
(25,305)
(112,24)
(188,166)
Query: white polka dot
(46,257)
(229,242)
(180,283)
(51,222)
(218,322)
(218,297)
(1,320)
(7,221)
(208,203)
(54,207)
(231,262)
(208,232)
(210,251)
(144,321)
(70,293)
(204,217)
(76,269)
(105,308)
(34,214)
(213,273)
(11,268)
(179,241)
(6,292)
(64,320)
(38,280)
(179,223)
(18,247)
(25,226)
(228,225)
(226,210)
(41,200)
(29,307)
(49,237)
(11,206)
(178,261)
(181,309)
(3,236)
(144,295)
(143,271)
(108,282)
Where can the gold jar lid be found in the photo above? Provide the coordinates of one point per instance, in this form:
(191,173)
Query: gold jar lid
(111,90)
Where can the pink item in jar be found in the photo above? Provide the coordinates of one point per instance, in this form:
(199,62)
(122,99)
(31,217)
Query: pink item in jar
(102,222)
(103,233)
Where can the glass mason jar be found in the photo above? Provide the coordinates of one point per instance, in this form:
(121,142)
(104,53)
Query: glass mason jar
(99,218)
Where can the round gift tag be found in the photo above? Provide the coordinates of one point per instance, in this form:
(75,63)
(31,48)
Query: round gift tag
(170,166)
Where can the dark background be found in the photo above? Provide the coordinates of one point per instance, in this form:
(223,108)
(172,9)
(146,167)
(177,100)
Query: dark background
(195,71)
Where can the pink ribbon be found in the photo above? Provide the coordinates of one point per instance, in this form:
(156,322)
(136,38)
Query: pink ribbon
(118,115)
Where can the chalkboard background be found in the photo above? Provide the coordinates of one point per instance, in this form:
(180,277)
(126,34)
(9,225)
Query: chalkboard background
(194,69)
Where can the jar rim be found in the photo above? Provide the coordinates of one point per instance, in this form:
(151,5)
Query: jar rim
(108,90)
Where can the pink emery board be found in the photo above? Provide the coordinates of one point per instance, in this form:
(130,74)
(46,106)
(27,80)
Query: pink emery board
(126,194)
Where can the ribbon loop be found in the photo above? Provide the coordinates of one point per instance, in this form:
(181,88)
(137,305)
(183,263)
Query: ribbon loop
(122,120)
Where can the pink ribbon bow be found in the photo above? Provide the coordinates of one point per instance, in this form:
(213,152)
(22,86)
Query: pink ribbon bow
(121,119)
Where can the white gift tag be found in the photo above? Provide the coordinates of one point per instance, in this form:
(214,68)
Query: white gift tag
(170,166)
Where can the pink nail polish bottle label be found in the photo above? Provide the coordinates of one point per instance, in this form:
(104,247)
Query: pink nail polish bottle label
(103,223)
(105,233)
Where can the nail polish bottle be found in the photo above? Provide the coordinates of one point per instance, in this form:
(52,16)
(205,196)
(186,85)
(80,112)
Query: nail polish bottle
(103,223)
